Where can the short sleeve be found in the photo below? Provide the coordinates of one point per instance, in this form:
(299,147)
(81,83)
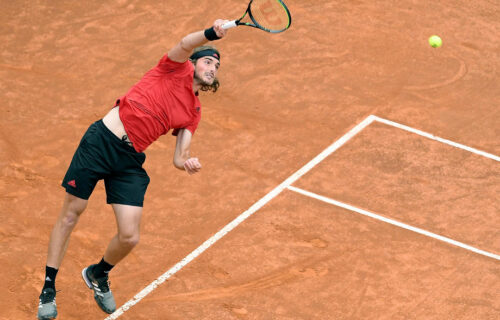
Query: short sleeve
(173,67)
(192,128)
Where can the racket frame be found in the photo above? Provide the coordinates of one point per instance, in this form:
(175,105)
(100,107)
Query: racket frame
(234,23)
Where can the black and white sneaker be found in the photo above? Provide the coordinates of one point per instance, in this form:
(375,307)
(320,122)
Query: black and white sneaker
(47,308)
(102,293)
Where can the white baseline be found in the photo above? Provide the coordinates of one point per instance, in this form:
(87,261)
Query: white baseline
(242,217)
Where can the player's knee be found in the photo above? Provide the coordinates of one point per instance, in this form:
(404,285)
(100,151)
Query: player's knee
(70,216)
(129,240)
(75,205)
(69,219)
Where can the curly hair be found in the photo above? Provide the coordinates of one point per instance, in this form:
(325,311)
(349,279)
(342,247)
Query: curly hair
(215,84)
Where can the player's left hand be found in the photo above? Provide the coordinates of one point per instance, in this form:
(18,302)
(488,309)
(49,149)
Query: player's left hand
(192,165)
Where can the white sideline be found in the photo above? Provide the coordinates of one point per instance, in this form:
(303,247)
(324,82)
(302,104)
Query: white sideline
(433,137)
(394,222)
(242,217)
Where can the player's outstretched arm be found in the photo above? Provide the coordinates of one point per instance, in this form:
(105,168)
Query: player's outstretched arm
(183,50)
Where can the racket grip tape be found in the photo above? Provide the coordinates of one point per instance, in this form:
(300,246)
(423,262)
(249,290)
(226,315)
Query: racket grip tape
(229,25)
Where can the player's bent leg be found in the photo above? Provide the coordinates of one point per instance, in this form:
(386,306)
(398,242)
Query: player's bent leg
(128,219)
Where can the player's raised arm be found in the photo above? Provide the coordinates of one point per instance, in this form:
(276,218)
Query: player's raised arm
(184,49)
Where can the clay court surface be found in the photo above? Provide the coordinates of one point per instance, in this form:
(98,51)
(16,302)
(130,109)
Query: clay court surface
(284,99)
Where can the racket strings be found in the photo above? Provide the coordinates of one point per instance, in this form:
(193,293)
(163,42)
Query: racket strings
(270,14)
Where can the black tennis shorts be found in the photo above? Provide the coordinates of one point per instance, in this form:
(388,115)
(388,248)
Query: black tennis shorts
(102,155)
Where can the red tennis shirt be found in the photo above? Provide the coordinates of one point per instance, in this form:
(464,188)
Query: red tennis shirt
(162,100)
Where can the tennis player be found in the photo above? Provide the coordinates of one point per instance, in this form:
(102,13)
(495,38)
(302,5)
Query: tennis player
(112,149)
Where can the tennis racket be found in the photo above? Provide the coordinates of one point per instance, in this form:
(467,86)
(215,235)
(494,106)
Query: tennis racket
(268,15)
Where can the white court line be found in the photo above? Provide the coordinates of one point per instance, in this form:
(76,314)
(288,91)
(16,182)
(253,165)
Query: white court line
(273,193)
(394,222)
(242,217)
(433,137)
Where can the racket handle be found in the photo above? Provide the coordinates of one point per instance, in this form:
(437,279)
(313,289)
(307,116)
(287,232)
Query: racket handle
(229,25)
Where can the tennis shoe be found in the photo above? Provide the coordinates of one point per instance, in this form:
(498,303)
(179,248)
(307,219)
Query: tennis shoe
(102,293)
(47,307)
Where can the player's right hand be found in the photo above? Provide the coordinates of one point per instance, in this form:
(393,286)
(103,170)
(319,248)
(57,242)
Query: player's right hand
(192,165)
(221,32)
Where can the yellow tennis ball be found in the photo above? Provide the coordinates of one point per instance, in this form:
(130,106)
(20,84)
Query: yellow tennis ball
(435,41)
